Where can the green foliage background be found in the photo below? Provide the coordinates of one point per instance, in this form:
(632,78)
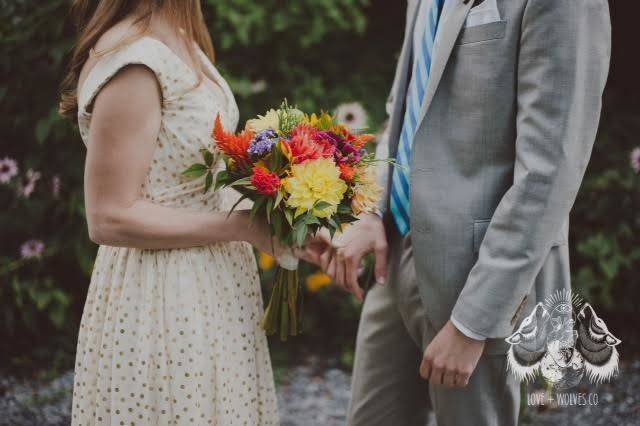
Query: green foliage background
(316,53)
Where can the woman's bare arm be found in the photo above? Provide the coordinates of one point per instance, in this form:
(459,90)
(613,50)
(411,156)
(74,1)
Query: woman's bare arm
(124,129)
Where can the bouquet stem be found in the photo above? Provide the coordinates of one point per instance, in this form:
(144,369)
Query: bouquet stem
(284,312)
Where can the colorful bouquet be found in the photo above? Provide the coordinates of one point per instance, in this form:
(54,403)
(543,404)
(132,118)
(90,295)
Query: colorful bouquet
(302,172)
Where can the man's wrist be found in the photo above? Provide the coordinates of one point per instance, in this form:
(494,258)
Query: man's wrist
(466,331)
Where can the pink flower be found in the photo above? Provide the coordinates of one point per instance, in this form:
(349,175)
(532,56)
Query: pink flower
(32,178)
(8,169)
(635,159)
(31,249)
(55,186)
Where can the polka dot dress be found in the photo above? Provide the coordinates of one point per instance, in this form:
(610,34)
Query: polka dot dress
(172,337)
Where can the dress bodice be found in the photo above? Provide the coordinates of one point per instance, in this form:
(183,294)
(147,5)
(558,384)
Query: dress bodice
(190,105)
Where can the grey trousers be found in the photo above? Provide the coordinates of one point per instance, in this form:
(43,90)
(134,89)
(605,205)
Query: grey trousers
(387,389)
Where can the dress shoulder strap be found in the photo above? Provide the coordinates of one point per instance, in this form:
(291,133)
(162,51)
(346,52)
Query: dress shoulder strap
(143,51)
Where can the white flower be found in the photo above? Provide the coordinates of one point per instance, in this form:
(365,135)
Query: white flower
(8,169)
(352,115)
(268,121)
(258,86)
(634,157)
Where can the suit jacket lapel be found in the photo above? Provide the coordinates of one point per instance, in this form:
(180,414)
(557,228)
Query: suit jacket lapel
(451,22)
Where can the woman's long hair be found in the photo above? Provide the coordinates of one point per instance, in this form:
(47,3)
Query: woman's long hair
(94,17)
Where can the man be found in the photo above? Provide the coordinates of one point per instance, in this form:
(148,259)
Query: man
(493,113)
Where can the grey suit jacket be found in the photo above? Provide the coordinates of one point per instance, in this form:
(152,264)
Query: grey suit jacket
(506,131)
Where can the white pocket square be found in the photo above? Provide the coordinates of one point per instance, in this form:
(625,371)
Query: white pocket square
(485,13)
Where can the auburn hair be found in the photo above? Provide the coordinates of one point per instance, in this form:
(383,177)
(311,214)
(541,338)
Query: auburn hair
(93,18)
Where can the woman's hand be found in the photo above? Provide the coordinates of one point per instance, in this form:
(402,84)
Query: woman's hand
(256,232)
(315,247)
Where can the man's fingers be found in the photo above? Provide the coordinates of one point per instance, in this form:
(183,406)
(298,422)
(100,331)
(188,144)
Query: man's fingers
(325,260)
(425,368)
(331,271)
(437,373)
(381,251)
(351,275)
(462,380)
(449,378)
(307,255)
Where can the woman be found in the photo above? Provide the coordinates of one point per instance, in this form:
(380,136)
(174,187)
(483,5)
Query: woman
(170,331)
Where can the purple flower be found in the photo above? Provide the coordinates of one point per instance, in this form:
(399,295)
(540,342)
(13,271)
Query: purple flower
(331,137)
(27,189)
(31,249)
(55,185)
(262,144)
(345,152)
(635,159)
(8,169)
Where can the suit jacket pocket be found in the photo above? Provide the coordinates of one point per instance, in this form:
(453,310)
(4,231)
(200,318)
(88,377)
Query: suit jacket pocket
(485,32)
(480,229)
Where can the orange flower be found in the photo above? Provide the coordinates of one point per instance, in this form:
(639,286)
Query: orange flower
(360,141)
(235,146)
(347,172)
(357,141)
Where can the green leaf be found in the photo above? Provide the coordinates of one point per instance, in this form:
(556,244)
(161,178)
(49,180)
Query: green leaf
(288,214)
(207,156)
(269,209)
(321,205)
(196,171)
(42,130)
(208,181)
(277,224)
(344,209)
(279,198)
(257,205)
(242,182)
(241,199)
(300,233)
(310,219)
(222,179)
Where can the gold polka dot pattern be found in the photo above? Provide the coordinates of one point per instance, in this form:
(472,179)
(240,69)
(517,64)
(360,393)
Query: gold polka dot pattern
(173,337)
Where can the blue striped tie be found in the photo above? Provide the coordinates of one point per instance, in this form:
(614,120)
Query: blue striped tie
(415,97)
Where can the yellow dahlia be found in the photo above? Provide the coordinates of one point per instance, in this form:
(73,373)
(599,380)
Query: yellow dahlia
(314,181)
(366,191)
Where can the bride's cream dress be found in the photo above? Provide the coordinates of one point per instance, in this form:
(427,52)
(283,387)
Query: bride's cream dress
(172,337)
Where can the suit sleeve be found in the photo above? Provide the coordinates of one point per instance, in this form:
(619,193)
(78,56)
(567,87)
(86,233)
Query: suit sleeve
(563,64)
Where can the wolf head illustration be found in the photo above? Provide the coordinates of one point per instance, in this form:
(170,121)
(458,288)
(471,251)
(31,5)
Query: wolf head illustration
(529,344)
(597,345)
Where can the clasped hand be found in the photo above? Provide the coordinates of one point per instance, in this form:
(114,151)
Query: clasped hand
(451,357)
(342,257)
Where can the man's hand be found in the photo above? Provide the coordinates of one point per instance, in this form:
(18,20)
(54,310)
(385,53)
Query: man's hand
(314,247)
(359,239)
(450,358)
